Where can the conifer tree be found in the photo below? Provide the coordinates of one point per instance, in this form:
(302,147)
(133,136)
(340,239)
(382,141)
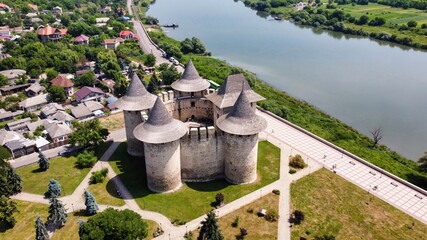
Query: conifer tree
(41,231)
(210,229)
(57,215)
(90,202)
(54,189)
(43,162)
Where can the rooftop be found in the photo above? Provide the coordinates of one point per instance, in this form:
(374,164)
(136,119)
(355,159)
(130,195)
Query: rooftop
(242,119)
(34,101)
(85,91)
(137,98)
(51,108)
(190,80)
(6,136)
(62,81)
(160,127)
(230,90)
(81,111)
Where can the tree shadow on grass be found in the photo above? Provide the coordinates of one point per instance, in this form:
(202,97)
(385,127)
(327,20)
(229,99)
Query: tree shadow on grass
(38,170)
(80,213)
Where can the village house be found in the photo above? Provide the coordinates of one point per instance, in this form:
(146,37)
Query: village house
(4,8)
(105,9)
(21,147)
(34,90)
(13,89)
(67,84)
(112,43)
(49,33)
(34,7)
(50,109)
(56,131)
(81,112)
(8,115)
(34,103)
(18,125)
(82,40)
(101,22)
(89,93)
(57,11)
(128,35)
(13,74)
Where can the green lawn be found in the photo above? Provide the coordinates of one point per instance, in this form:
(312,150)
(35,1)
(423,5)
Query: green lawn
(61,168)
(105,193)
(336,207)
(193,199)
(25,219)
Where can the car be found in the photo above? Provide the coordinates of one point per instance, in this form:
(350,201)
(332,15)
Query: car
(171,59)
(176,63)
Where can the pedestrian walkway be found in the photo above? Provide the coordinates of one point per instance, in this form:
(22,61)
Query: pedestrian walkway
(394,192)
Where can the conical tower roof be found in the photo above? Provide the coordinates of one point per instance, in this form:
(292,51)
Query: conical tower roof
(160,127)
(190,80)
(242,119)
(137,98)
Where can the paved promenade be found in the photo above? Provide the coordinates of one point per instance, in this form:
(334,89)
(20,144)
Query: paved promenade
(397,194)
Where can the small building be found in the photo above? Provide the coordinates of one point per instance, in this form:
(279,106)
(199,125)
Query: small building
(34,90)
(82,40)
(67,84)
(81,72)
(89,93)
(57,10)
(109,83)
(13,89)
(100,22)
(128,35)
(34,103)
(49,33)
(81,112)
(13,74)
(55,130)
(61,116)
(31,15)
(7,136)
(5,8)
(112,43)
(8,115)
(21,147)
(41,143)
(33,7)
(105,9)
(18,125)
(51,109)
(93,105)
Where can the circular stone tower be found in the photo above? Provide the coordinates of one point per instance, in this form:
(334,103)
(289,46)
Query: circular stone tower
(241,128)
(136,99)
(161,137)
(191,82)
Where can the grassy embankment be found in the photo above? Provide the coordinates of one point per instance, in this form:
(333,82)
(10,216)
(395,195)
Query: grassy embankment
(199,196)
(329,209)
(309,117)
(394,19)
(24,228)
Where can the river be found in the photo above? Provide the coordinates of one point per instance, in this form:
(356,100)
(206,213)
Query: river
(365,83)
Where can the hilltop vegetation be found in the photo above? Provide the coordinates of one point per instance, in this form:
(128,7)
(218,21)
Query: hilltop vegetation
(403,22)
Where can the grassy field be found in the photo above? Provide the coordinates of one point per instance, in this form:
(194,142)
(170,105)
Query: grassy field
(198,196)
(258,227)
(61,168)
(24,228)
(113,122)
(334,206)
(25,219)
(105,193)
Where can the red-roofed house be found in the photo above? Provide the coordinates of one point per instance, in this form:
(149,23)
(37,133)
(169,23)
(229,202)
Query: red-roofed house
(5,7)
(34,7)
(82,40)
(88,94)
(64,82)
(51,33)
(126,34)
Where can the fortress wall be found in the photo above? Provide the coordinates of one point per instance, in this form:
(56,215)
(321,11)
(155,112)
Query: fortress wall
(240,164)
(184,109)
(163,166)
(133,119)
(202,155)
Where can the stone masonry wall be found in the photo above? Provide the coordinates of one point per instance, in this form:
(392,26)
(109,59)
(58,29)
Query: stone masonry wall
(132,119)
(202,155)
(240,163)
(163,166)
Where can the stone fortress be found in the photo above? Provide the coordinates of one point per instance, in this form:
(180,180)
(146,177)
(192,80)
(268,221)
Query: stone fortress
(193,133)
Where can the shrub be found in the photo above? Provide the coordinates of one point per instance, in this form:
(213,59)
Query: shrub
(276,191)
(243,233)
(250,210)
(86,159)
(297,217)
(297,162)
(235,222)
(412,24)
(292,171)
(308,231)
(219,198)
(99,176)
(188,236)
(271,215)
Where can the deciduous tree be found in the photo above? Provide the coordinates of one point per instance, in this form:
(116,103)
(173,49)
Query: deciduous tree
(88,133)
(114,224)
(10,181)
(7,209)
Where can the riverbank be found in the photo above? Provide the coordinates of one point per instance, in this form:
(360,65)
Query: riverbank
(307,116)
(402,26)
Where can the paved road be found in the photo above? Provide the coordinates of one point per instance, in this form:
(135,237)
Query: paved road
(397,194)
(34,157)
